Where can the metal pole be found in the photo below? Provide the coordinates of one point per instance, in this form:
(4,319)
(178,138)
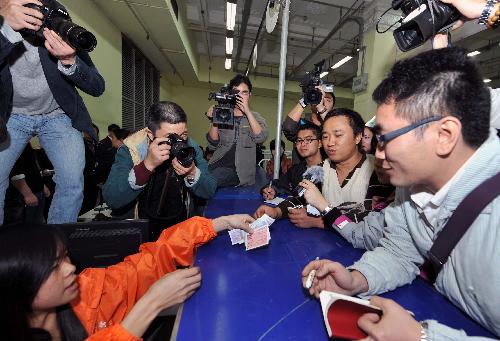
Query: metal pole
(281,88)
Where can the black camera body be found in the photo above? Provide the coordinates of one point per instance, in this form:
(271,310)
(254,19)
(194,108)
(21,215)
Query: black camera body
(223,113)
(309,83)
(180,149)
(422,19)
(56,18)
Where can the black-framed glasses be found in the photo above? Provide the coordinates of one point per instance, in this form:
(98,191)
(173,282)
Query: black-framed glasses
(383,139)
(306,140)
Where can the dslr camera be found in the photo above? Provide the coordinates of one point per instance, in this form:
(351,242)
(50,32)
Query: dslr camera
(309,83)
(56,18)
(224,110)
(180,149)
(421,20)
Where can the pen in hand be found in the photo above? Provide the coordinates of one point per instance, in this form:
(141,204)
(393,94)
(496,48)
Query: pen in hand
(310,277)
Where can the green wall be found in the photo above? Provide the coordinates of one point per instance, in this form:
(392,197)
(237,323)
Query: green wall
(194,101)
(107,57)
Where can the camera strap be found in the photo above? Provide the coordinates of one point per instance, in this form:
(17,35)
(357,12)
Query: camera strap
(456,227)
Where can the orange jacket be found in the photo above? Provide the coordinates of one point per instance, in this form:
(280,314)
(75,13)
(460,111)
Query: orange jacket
(108,294)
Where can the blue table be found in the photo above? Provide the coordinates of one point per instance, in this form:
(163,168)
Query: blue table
(257,295)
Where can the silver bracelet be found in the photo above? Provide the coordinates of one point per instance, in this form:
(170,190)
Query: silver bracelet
(483,19)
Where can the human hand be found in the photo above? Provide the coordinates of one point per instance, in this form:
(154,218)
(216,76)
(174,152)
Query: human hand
(234,221)
(175,287)
(333,276)
(181,170)
(268,193)
(313,195)
(242,104)
(210,111)
(273,212)
(30,199)
(157,153)
(394,324)
(299,217)
(320,107)
(470,9)
(59,48)
(17,16)
(46,191)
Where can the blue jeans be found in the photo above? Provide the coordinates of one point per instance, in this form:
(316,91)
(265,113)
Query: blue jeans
(64,147)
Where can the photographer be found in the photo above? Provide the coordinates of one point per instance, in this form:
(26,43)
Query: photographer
(38,96)
(318,112)
(161,170)
(233,161)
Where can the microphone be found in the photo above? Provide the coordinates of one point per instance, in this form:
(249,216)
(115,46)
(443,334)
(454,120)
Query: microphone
(314,174)
(3,130)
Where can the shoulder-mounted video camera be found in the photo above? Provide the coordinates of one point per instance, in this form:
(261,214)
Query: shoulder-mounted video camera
(309,83)
(421,20)
(56,18)
(224,110)
(180,149)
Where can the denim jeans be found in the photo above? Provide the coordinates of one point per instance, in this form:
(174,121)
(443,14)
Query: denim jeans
(64,147)
(226,177)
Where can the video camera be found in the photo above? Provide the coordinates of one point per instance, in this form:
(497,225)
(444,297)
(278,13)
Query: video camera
(56,18)
(422,19)
(224,110)
(309,83)
(180,149)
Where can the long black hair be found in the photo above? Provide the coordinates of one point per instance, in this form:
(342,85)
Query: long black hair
(27,257)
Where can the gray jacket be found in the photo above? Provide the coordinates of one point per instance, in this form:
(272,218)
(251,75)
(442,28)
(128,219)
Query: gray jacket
(470,278)
(245,147)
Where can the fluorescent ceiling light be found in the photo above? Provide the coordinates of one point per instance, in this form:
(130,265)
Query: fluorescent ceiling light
(323,74)
(229,45)
(227,64)
(473,53)
(341,62)
(230,15)
(487,80)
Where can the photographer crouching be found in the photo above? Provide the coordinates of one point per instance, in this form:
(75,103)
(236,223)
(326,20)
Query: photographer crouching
(159,172)
(234,133)
(43,59)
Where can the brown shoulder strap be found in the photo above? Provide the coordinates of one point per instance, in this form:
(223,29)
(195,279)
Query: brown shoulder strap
(463,217)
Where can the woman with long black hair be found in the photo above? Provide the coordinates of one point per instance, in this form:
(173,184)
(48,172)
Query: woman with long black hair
(41,297)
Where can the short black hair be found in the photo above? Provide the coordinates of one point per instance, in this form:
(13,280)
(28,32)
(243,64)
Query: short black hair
(238,79)
(122,134)
(439,82)
(113,127)
(165,111)
(272,145)
(308,125)
(355,120)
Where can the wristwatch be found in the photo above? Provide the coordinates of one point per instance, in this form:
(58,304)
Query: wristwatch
(326,210)
(302,103)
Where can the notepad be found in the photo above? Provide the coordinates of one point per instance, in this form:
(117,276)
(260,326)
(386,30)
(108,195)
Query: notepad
(341,314)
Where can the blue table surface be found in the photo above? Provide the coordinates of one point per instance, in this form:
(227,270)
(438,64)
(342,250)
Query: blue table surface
(257,295)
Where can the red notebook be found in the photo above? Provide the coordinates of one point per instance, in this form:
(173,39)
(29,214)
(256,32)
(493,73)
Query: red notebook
(341,314)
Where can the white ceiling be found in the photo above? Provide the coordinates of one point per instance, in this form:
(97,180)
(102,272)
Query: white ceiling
(153,27)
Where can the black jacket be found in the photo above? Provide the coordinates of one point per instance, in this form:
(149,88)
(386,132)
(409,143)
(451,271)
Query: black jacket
(63,88)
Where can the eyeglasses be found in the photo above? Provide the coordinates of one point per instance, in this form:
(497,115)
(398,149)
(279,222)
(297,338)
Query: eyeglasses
(383,139)
(307,140)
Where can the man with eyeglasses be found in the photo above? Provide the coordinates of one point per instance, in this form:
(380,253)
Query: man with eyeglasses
(308,144)
(318,112)
(145,173)
(233,161)
(436,148)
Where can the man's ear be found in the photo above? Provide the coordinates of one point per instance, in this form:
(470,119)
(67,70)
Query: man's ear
(358,138)
(150,134)
(450,131)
